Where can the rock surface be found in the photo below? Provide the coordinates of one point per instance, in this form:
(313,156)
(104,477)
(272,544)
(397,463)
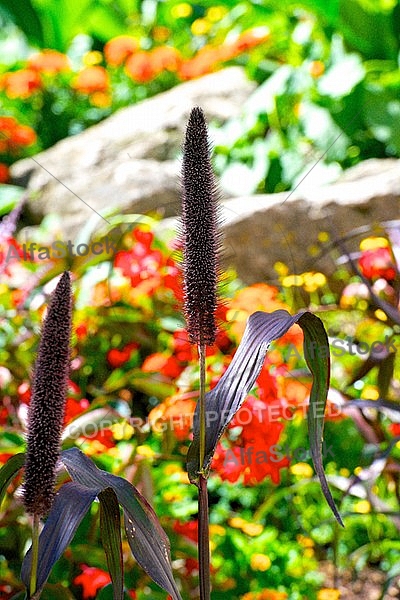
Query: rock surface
(130,163)
(264,229)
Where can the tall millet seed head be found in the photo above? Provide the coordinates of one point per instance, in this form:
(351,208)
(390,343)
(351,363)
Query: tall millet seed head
(46,411)
(200,237)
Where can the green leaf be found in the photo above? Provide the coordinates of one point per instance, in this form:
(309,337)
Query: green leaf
(147,539)
(26,18)
(110,529)
(10,195)
(9,471)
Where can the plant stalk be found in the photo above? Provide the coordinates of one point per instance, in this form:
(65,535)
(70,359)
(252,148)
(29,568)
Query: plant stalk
(204,541)
(35,554)
(204,536)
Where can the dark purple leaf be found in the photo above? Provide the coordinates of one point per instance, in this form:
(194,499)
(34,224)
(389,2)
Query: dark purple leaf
(147,539)
(70,505)
(316,353)
(223,402)
(110,529)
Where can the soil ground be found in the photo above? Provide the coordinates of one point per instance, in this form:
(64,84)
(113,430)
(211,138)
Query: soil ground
(366,585)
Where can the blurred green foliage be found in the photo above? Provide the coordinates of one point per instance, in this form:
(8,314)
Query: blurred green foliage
(328,78)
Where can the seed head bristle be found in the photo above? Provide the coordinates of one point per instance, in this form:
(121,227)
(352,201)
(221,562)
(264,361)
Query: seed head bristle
(46,410)
(200,237)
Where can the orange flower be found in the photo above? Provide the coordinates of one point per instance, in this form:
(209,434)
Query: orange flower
(21,84)
(117,50)
(23,135)
(7,124)
(165,58)
(317,68)
(251,38)
(49,62)
(140,67)
(177,413)
(202,63)
(4,173)
(92,79)
(265,595)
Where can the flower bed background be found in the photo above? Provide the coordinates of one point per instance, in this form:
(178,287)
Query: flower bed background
(131,399)
(133,381)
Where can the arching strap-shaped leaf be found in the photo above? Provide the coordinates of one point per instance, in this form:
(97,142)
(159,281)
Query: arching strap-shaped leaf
(9,471)
(223,402)
(110,528)
(316,353)
(146,537)
(70,505)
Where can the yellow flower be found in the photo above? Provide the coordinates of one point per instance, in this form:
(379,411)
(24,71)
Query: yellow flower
(237,522)
(328,594)
(122,431)
(305,541)
(170,496)
(216,13)
(181,11)
(252,529)
(200,27)
(281,268)
(323,236)
(260,562)
(145,451)
(362,507)
(369,392)
(372,243)
(292,281)
(217,530)
(302,470)
(171,469)
(380,315)
(92,58)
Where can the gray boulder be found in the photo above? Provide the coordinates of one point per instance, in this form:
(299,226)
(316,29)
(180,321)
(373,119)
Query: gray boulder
(262,230)
(128,161)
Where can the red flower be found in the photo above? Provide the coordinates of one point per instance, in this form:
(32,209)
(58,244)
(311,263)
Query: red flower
(91,579)
(24,392)
(255,453)
(183,349)
(101,441)
(117,358)
(395,428)
(189,530)
(4,173)
(376,263)
(74,407)
(141,263)
(160,363)
(191,566)
(81,331)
